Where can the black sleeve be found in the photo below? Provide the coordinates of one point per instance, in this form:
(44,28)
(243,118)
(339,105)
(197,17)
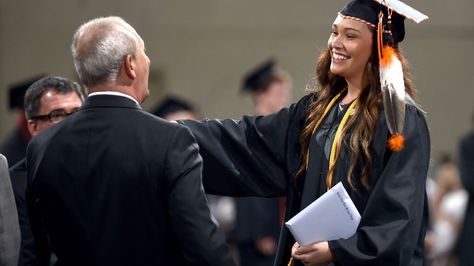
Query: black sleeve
(202,242)
(466,165)
(393,219)
(253,156)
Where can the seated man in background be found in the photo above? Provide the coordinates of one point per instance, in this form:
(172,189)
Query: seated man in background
(47,102)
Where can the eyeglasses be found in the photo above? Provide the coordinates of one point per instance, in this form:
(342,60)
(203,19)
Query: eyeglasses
(54,117)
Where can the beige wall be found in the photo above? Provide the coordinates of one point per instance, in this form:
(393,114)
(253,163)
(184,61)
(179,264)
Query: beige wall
(201,49)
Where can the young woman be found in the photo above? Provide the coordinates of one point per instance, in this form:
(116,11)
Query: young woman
(337,133)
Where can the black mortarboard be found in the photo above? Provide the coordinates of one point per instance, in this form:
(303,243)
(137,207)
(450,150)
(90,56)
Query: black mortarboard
(368,11)
(171,105)
(17,91)
(259,77)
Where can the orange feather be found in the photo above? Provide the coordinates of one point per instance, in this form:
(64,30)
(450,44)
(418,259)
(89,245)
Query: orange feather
(388,54)
(396,142)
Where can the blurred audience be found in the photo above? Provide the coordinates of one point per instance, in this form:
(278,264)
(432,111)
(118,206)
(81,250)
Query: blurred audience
(14,146)
(173,108)
(448,205)
(258,220)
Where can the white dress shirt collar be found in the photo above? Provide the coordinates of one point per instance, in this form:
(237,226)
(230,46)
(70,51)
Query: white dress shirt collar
(113,93)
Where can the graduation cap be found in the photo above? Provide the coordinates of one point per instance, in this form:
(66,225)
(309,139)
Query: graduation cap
(17,91)
(260,77)
(387,17)
(172,105)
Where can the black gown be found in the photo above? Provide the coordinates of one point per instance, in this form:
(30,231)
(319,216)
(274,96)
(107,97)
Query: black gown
(259,156)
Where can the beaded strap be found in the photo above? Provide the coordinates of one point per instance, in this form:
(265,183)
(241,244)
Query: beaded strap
(361,20)
(358,19)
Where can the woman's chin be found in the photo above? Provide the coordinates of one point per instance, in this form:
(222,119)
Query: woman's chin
(336,70)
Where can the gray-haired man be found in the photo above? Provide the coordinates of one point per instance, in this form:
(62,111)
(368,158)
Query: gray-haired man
(113,184)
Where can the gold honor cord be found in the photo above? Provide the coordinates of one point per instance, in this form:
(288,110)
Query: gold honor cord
(332,156)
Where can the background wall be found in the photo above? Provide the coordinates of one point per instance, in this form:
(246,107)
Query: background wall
(201,49)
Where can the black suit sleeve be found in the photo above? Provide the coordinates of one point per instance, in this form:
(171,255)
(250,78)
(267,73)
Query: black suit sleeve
(203,243)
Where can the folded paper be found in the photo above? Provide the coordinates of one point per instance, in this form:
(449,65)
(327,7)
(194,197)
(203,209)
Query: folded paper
(332,216)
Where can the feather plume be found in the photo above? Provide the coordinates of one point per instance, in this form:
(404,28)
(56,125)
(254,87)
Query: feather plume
(393,90)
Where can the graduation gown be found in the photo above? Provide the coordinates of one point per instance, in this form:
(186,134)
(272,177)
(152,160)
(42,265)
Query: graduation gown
(259,156)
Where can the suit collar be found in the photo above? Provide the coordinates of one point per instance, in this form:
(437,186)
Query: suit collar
(109,101)
(116,93)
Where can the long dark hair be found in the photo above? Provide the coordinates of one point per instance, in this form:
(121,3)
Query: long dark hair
(362,123)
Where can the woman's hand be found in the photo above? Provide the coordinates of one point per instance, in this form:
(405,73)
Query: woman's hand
(314,254)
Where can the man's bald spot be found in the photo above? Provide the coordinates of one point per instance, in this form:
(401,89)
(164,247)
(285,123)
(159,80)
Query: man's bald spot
(92,33)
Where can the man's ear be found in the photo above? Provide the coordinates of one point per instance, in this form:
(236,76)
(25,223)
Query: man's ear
(33,127)
(130,67)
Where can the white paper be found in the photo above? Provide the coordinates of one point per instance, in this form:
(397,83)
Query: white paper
(332,216)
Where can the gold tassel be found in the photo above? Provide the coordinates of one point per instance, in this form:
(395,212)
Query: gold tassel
(291,262)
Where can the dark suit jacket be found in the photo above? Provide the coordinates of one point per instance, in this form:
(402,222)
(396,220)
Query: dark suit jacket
(466,167)
(114,185)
